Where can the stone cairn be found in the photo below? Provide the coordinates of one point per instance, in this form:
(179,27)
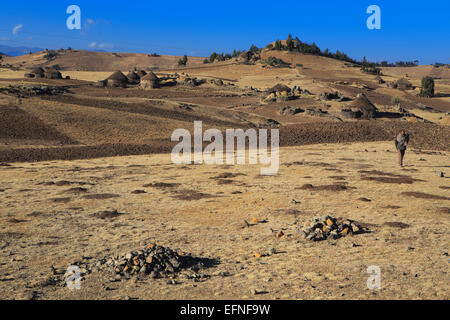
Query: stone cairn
(327,227)
(154,260)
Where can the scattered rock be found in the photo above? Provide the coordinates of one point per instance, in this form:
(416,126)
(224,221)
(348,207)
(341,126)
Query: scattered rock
(330,228)
(288,110)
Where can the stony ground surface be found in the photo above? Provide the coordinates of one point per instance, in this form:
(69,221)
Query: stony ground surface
(55,213)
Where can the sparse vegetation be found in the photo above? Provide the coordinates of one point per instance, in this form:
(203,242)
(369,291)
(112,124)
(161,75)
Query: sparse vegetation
(371,68)
(50,55)
(427,89)
(275,62)
(438,65)
(395,100)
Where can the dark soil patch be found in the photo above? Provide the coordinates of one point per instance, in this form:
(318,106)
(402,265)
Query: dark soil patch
(309,163)
(47,243)
(61,200)
(289,212)
(107,214)
(189,195)
(18,124)
(63,183)
(76,190)
(14,220)
(391,179)
(36,214)
(391,207)
(396,224)
(224,181)
(422,195)
(337,177)
(101,196)
(361,131)
(381,173)
(138,191)
(83,152)
(333,169)
(227,175)
(139,108)
(444,210)
(364,199)
(331,187)
(366,224)
(445,187)
(161,185)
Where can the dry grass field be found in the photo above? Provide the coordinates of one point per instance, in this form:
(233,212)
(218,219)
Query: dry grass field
(86,173)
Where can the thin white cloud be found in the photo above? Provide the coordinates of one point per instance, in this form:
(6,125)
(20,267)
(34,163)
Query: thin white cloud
(17,28)
(96,45)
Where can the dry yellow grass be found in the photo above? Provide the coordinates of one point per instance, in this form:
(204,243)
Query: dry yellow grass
(412,260)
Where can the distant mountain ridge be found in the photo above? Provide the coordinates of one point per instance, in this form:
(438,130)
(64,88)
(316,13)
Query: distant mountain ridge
(17,51)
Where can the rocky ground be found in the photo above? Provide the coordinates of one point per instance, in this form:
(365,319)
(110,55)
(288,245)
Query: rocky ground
(243,233)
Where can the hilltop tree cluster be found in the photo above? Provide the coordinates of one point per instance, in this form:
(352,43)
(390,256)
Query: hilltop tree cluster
(295,45)
(227,56)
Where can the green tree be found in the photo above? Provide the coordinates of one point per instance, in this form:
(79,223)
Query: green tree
(212,57)
(278,45)
(427,89)
(253,49)
(183,61)
(290,43)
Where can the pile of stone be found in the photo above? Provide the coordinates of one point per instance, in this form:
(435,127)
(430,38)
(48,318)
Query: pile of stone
(331,96)
(318,112)
(327,227)
(185,79)
(153,260)
(281,92)
(288,110)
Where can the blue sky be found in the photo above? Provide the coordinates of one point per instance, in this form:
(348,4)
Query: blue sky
(410,30)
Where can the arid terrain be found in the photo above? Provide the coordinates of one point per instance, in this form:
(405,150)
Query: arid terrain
(86,173)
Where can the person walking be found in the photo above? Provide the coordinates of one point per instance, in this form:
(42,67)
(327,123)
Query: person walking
(401,141)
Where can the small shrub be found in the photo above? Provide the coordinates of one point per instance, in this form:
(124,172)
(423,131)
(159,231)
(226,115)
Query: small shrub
(183,61)
(275,62)
(50,55)
(427,89)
